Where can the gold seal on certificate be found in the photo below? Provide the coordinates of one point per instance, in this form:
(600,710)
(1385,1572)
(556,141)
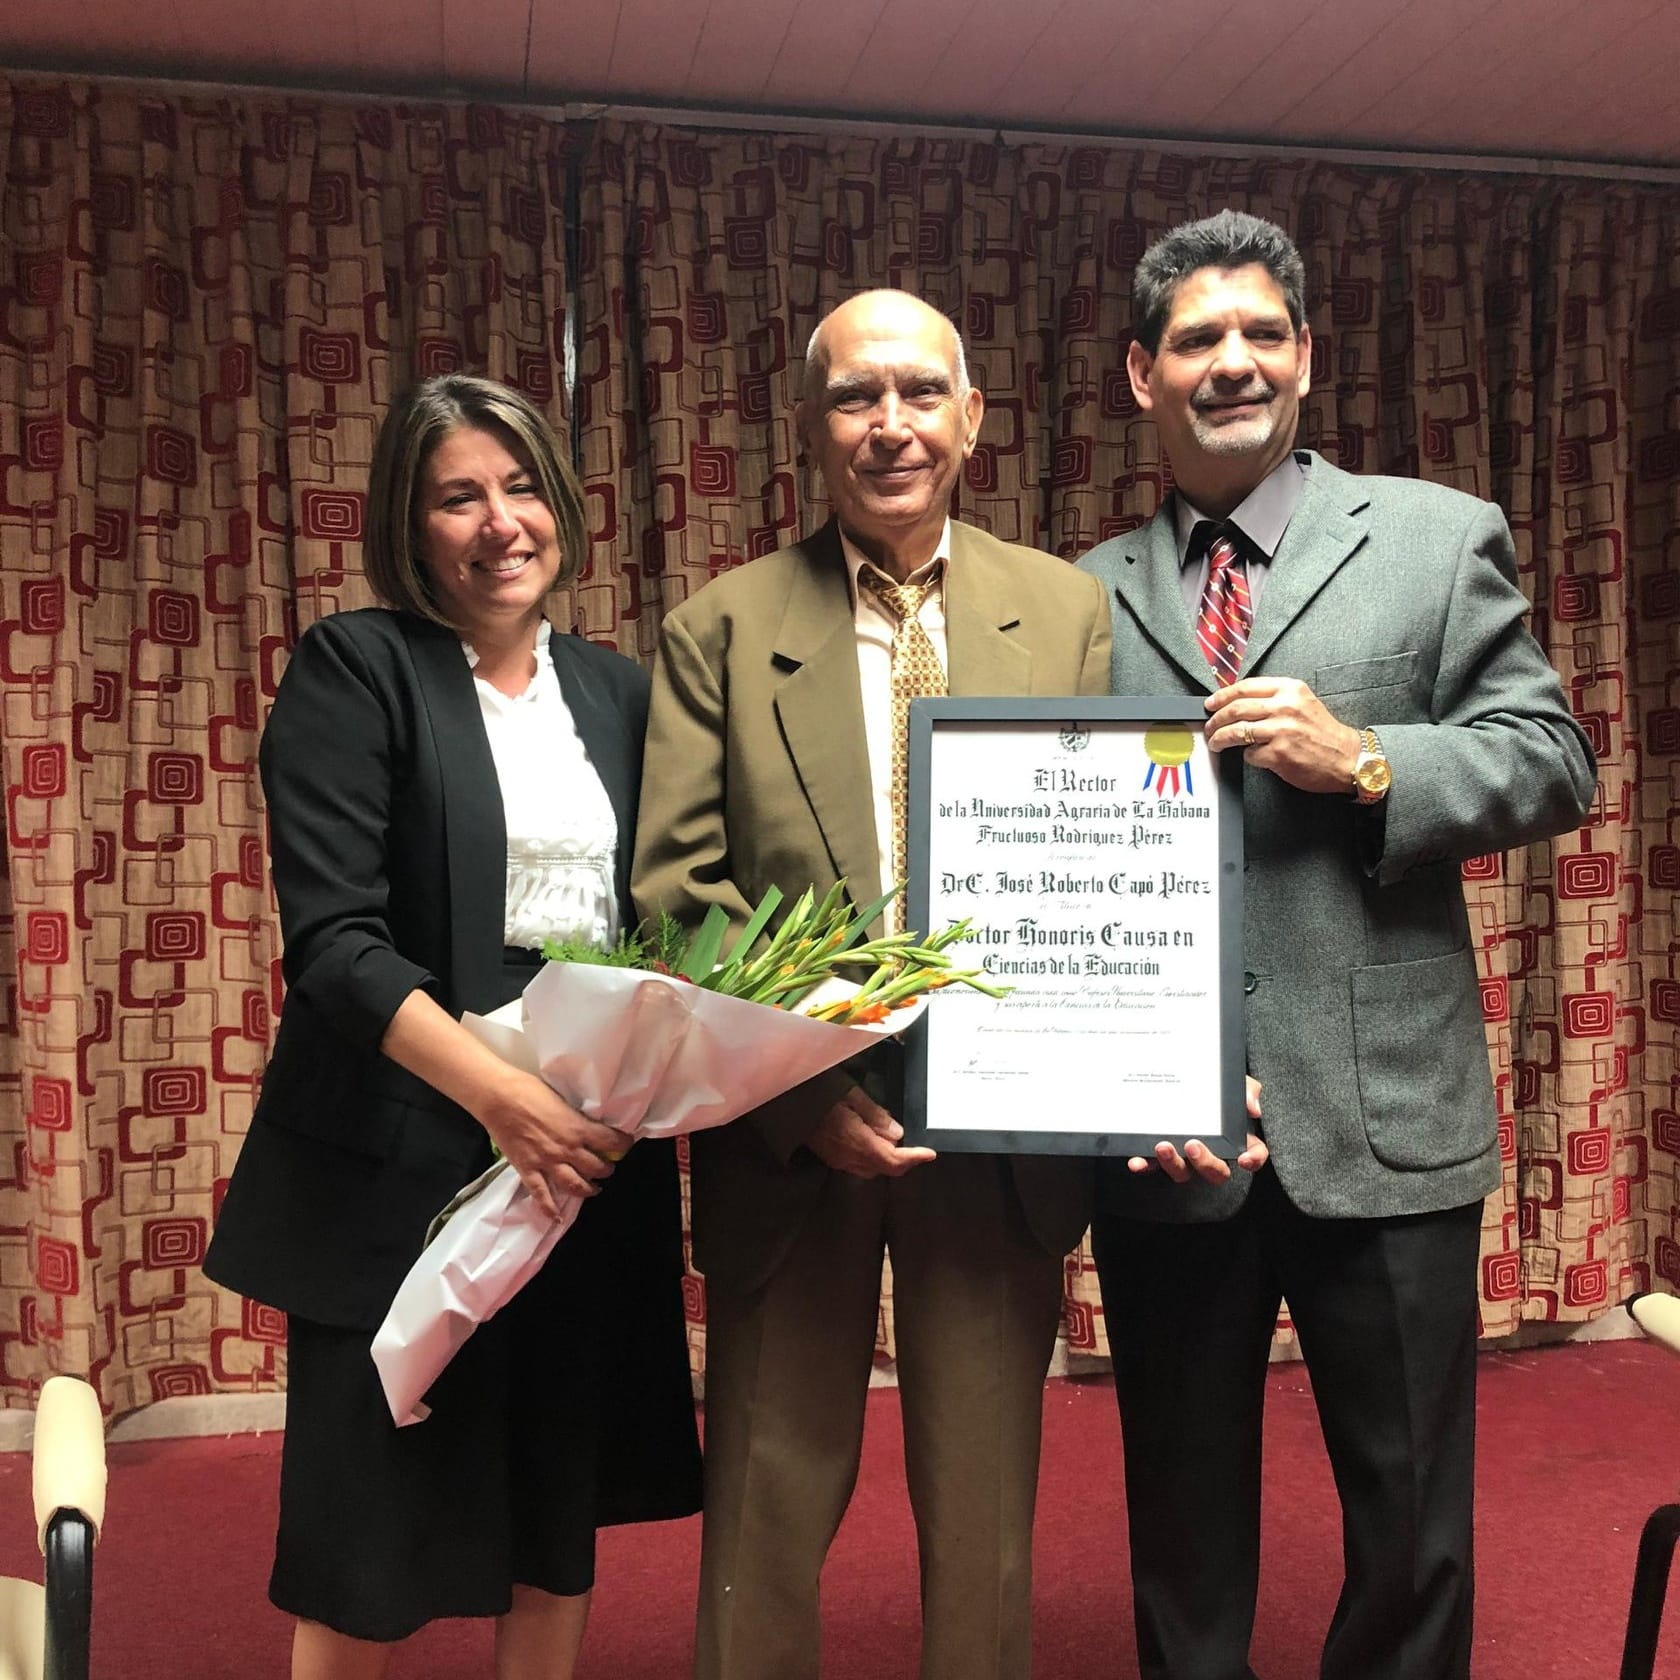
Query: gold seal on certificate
(1096,847)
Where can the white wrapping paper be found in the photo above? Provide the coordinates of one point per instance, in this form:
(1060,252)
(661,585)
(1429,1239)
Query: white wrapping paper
(647,1053)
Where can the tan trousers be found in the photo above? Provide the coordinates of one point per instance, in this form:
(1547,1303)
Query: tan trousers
(975,1306)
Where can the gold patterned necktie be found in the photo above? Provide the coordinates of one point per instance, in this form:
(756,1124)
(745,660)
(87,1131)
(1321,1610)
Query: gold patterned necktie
(915,671)
(1227,610)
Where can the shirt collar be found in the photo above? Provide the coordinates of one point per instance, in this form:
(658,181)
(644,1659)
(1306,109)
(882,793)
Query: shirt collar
(1262,516)
(856,561)
(545,663)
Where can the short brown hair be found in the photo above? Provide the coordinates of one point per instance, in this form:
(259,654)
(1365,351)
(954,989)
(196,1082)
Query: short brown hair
(414,425)
(1232,239)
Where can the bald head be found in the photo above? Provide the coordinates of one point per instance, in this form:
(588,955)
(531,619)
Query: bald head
(888,418)
(883,313)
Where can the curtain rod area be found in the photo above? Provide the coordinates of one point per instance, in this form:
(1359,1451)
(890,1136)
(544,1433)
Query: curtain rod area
(879,127)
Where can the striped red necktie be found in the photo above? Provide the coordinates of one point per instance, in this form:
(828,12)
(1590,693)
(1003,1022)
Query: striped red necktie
(1227,610)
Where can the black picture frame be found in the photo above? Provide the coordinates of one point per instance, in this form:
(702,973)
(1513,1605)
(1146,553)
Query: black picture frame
(1148,1105)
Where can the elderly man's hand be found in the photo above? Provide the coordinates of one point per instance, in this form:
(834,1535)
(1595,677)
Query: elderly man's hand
(1280,725)
(1198,1161)
(859,1137)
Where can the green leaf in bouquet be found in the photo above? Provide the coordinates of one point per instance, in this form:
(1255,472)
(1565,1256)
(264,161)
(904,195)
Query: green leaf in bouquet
(813,942)
(756,923)
(665,943)
(860,924)
(701,957)
(748,976)
(627,953)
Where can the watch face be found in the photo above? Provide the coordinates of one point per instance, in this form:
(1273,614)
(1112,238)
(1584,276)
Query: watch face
(1373,776)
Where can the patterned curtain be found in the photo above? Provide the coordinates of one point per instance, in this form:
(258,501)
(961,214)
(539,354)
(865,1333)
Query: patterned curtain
(204,307)
(1512,337)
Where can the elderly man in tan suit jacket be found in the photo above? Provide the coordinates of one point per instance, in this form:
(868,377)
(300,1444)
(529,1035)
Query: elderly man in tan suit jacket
(768,762)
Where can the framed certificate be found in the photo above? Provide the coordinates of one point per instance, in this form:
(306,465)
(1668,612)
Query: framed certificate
(1095,845)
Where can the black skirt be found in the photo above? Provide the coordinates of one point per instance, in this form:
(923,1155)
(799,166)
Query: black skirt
(569,1410)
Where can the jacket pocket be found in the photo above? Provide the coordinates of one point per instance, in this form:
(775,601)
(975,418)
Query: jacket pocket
(313,1086)
(362,1102)
(1422,1062)
(1393,670)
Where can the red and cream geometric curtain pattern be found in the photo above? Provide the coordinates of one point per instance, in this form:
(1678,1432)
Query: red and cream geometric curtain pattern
(204,307)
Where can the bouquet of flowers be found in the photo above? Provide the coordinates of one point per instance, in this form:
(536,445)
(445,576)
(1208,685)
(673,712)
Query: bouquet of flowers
(659,1036)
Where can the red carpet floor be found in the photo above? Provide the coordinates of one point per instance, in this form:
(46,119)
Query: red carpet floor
(1577,1444)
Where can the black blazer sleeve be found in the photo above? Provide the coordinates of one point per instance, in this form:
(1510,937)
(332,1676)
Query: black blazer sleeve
(334,736)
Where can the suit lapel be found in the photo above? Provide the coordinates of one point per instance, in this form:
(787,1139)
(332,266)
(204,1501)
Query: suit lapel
(1326,529)
(819,707)
(983,655)
(600,724)
(474,832)
(1147,583)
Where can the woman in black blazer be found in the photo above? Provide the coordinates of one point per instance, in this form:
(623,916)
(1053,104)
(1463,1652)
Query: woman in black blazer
(398,739)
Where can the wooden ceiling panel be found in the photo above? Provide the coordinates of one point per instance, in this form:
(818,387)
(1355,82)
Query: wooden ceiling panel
(246,34)
(37,31)
(1311,55)
(1412,37)
(890,74)
(989,33)
(1037,80)
(1192,96)
(1436,105)
(1591,79)
(1140,69)
(654,47)
(818,52)
(482,43)
(1626,117)
(1518,97)
(403,37)
(571,48)
(1597,104)
(738,44)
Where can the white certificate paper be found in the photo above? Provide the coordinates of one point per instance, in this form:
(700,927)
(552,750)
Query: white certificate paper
(1098,858)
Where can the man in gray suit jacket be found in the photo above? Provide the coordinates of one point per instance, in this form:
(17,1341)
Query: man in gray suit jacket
(1394,717)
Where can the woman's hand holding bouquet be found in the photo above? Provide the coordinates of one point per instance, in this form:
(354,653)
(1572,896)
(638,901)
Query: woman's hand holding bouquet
(556,1151)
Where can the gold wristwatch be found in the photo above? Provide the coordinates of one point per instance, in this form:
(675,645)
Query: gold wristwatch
(1371,772)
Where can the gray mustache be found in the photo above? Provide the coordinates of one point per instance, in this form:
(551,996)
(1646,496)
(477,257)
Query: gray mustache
(1216,399)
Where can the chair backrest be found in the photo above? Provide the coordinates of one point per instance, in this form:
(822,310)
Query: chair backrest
(23,1622)
(69,1454)
(1658,1316)
(69,1466)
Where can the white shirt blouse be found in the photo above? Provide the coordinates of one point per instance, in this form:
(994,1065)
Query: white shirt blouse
(562,834)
